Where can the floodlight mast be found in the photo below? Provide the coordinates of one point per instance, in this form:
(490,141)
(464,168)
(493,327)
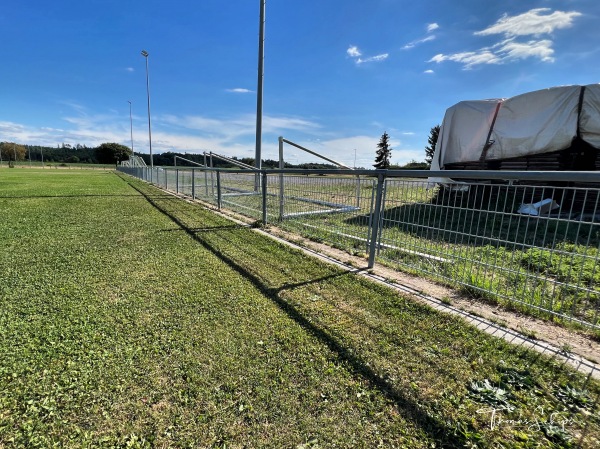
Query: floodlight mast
(131,128)
(259,89)
(145,55)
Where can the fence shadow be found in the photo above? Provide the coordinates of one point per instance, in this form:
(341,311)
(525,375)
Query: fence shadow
(219,240)
(442,430)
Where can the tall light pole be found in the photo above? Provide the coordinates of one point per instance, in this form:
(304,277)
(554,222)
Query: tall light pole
(259,90)
(131,127)
(145,55)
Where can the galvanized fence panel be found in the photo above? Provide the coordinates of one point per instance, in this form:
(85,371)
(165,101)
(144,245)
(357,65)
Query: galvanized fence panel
(333,209)
(485,236)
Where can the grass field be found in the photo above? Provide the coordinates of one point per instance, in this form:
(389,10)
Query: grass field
(130,318)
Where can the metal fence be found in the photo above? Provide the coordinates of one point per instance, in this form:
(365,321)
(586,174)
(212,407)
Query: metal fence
(528,238)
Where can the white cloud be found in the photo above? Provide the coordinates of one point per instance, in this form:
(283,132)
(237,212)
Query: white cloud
(532,23)
(240,90)
(429,71)
(130,69)
(353,51)
(469,58)
(377,58)
(432,27)
(535,22)
(417,42)
(512,50)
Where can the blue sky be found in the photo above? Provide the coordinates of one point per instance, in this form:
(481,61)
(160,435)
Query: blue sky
(338,73)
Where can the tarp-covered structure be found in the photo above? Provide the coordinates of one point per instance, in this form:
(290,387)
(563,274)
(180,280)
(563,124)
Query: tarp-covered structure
(479,134)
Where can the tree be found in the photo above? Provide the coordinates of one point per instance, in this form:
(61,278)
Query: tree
(384,152)
(112,153)
(12,151)
(431,141)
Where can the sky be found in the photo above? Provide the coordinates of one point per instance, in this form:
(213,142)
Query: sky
(337,73)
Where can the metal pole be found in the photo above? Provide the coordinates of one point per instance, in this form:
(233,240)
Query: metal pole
(131,128)
(259,93)
(29,152)
(193,183)
(358,191)
(205,176)
(145,55)
(259,89)
(212,178)
(264,198)
(375,223)
(219,190)
(177,181)
(281,187)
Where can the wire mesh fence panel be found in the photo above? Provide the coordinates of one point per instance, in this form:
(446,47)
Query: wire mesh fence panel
(184,180)
(205,186)
(333,209)
(533,245)
(241,193)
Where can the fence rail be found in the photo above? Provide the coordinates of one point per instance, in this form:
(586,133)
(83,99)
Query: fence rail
(528,238)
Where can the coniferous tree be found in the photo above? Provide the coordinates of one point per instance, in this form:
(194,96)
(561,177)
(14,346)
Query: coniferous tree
(384,152)
(431,142)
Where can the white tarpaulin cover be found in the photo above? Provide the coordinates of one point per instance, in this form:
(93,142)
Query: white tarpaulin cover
(533,123)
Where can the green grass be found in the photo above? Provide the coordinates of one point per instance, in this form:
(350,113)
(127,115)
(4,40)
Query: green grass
(130,318)
(523,263)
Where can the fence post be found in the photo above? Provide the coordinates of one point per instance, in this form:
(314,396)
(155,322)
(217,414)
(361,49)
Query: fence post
(264,198)
(281,187)
(193,184)
(374,243)
(219,190)
(205,175)
(177,181)
(166,179)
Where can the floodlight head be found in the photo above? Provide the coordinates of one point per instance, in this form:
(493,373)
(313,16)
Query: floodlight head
(144,53)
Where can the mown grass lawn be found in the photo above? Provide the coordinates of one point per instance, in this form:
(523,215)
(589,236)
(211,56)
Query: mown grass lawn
(130,318)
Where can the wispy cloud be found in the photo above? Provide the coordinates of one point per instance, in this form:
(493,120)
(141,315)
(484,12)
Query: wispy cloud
(534,23)
(240,90)
(377,58)
(413,44)
(431,27)
(129,69)
(356,54)
(429,72)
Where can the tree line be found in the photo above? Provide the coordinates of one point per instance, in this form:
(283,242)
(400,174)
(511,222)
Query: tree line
(113,153)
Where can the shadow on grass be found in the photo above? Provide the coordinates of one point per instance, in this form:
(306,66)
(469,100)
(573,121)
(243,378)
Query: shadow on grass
(445,431)
(85,195)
